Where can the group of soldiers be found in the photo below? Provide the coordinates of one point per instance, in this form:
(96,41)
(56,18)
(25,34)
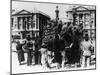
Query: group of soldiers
(68,47)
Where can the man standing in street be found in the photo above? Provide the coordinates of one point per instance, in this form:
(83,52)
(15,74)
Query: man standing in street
(29,47)
(86,55)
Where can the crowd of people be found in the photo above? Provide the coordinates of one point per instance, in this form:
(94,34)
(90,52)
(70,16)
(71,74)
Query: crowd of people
(69,47)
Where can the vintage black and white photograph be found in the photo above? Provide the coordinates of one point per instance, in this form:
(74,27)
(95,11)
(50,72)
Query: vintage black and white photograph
(52,37)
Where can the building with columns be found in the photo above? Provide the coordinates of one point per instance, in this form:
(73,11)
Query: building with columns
(85,17)
(24,21)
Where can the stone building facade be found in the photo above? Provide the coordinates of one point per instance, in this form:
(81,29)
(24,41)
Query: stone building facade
(85,17)
(24,21)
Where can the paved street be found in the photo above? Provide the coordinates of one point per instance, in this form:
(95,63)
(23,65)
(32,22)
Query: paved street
(16,68)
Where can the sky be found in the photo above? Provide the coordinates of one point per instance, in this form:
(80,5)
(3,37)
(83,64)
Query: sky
(46,8)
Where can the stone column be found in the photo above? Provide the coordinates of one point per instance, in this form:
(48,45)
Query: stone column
(23,23)
(38,22)
(31,20)
(35,20)
(90,24)
(21,27)
(24,26)
(15,23)
(18,27)
(26,23)
(30,23)
(19,23)
(83,20)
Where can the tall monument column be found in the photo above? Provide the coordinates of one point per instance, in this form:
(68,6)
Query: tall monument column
(57,14)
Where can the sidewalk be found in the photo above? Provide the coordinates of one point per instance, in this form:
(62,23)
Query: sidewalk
(16,68)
